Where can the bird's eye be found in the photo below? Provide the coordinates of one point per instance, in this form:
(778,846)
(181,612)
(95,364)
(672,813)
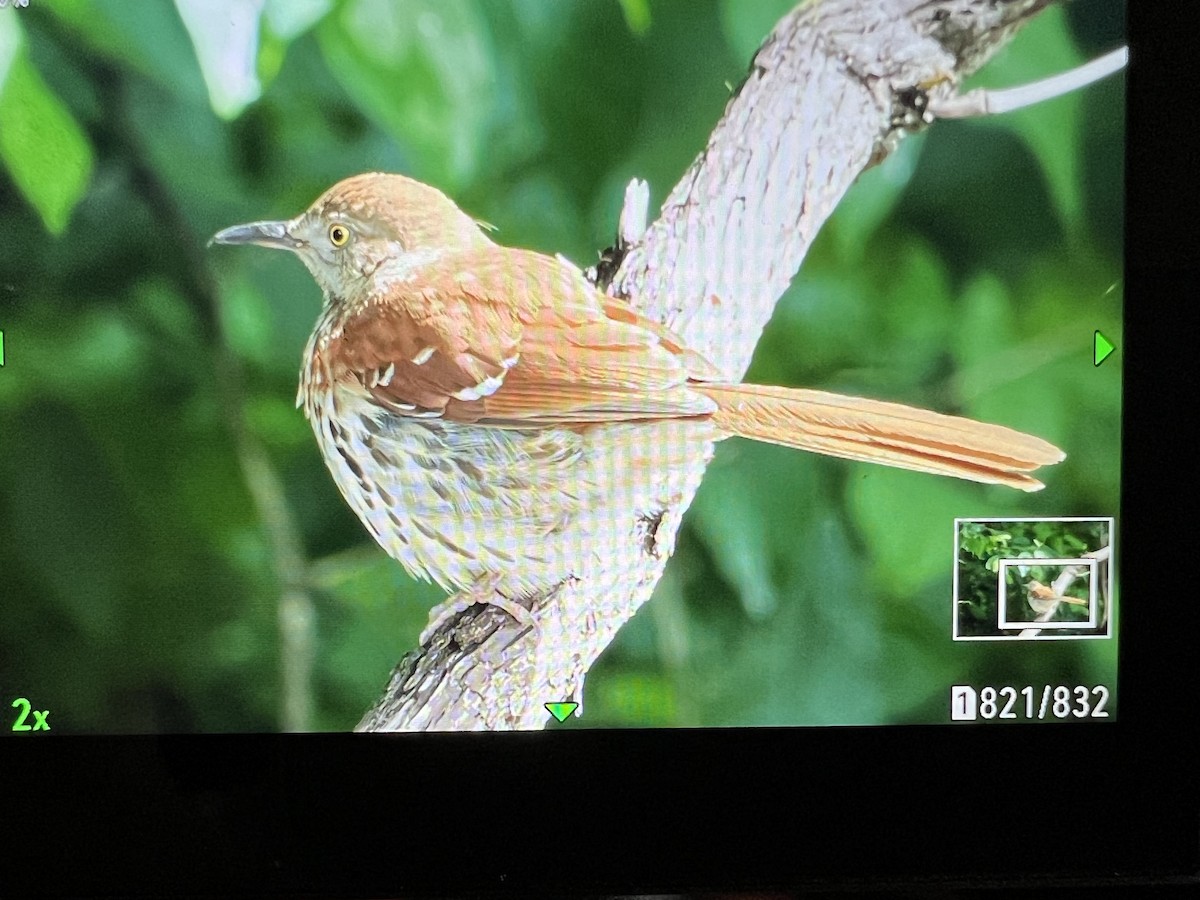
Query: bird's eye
(339,235)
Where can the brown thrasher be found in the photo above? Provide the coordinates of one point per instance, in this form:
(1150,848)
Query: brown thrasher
(473,400)
(1043,599)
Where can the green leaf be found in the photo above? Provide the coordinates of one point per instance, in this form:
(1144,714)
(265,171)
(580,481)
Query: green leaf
(1052,129)
(44,149)
(985,324)
(371,588)
(732,526)
(274,420)
(632,698)
(422,70)
(224,34)
(149,37)
(747,24)
(907,520)
(282,22)
(871,199)
(246,321)
(288,19)
(914,310)
(750,511)
(637,15)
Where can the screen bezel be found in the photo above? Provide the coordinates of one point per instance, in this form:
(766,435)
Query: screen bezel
(679,809)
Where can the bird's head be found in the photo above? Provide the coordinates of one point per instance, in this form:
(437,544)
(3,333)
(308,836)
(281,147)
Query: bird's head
(366,230)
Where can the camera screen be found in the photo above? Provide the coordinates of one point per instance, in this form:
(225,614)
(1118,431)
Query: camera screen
(604,381)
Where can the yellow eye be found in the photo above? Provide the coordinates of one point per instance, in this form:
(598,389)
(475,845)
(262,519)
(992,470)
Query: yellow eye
(339,235)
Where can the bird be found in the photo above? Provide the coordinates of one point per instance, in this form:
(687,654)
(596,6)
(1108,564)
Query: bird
(1043,600)
(481,406)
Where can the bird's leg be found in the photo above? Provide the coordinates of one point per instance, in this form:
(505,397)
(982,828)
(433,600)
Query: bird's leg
(483,591)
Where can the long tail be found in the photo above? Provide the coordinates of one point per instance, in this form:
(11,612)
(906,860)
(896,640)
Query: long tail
(878,432)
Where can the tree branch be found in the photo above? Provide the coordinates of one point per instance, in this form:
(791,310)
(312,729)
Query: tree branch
(830,93)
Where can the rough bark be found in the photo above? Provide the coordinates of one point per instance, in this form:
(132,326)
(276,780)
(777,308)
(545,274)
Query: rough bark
(831,92)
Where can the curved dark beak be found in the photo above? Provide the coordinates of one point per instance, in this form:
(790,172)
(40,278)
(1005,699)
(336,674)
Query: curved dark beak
(265,234)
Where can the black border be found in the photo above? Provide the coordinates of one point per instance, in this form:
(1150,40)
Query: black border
(567,811)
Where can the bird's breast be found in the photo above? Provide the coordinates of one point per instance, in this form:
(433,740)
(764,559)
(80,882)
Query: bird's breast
(452,502)
(457,503)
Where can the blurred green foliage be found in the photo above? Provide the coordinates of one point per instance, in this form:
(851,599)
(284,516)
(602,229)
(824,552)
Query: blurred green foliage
(139,590)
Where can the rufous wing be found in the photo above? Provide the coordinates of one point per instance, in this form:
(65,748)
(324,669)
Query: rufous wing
(417,349)
(513,338)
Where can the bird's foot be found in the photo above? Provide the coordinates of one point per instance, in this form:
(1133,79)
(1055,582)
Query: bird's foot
(483,593)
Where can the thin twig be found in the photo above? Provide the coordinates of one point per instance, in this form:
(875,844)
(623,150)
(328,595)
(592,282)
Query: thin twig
(983,102)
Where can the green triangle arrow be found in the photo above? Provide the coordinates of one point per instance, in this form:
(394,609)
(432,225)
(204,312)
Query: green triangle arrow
(561,710)
(1102,348)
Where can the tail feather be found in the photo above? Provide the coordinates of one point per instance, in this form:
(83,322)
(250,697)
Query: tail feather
(879,432)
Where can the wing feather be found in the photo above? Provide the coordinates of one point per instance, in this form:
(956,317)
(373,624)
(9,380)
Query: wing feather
(511,337)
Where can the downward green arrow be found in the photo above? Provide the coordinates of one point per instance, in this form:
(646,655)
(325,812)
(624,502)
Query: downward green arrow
(561,710)
(1102,349)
